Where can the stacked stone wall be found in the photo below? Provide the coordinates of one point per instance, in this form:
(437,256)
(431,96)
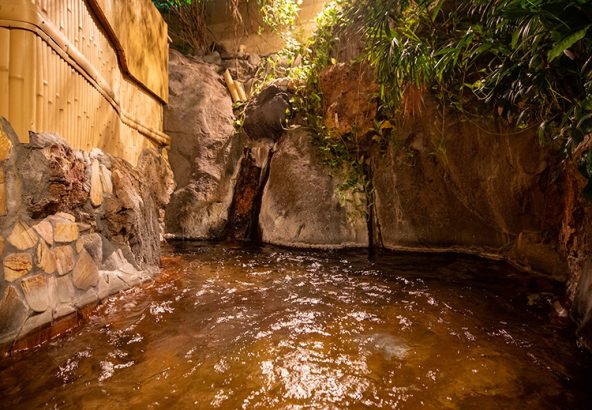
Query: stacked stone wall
(75,228)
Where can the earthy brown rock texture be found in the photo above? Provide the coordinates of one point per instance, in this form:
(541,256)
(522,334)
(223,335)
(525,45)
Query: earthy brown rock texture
(450,185)
(131,215)
(52,174)
(246,202)
(67,213)
(205,150)
(13,313)
(300,205)
(576,241)
(349,98)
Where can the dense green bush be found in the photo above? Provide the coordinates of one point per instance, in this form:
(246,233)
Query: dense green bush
(527,63)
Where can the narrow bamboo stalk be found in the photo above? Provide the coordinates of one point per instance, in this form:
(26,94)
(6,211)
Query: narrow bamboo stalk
(241,90)
(231,86)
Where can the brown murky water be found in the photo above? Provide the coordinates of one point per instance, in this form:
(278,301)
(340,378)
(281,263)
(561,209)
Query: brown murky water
(236,327)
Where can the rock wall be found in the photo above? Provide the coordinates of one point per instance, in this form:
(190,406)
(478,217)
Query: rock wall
(204,151)
(300,205)
(576,241)
(450,185)
(75,227)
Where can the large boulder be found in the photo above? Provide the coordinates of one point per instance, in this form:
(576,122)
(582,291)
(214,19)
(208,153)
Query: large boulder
(265,116)
(451,185)
(300,205)
(204,151)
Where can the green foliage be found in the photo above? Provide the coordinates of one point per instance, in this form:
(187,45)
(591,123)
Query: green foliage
(527,63)
(279,14)
(166,5)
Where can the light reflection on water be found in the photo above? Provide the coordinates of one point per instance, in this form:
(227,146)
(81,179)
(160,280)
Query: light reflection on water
(231,327)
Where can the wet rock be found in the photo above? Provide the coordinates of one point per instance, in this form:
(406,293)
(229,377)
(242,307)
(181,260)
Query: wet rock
(93,244)
(114,259)
(265,116)
(205,151)
(52,176)
(131,218)
(35,322)
(300,206)
(45,258)
(65,232)
(246,203)
(13,313)
(96,187)
(349,98)
(45,230)
(433,192)
(110,283)
(17,265)
(38,290)
(86,273)
(22,236)
(64,258)
(65,289)
(86,299)
(63,310)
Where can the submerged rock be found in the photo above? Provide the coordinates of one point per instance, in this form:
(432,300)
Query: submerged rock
(300,206)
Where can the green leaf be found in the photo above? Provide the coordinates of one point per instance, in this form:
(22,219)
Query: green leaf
(566,43)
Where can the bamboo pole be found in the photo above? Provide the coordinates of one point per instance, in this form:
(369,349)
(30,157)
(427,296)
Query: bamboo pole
(241,90)
(231,86)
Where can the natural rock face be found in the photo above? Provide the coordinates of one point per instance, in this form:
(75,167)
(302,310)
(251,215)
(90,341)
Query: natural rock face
(157,171)
(204,152)
(13,313)
(52,174)
(265,116)
(300,206)
(131,216)
(468,190)
(576,241)
(246,202)
(349,98)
